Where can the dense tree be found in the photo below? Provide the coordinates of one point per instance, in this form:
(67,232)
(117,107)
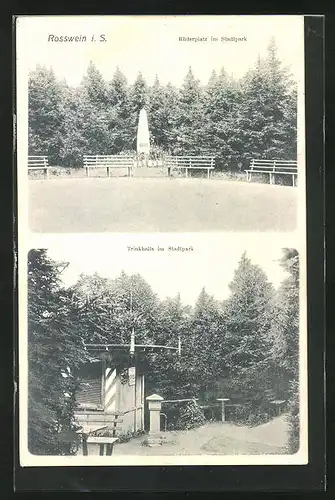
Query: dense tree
(222,104)
(139,94)
(246,348)
(46,118)
(94,88)
(119,114)
(169,119)
(92,112)
(254,117)
(76,139)
(157,114)
(267,116)
(207,335)
(248,343)
(53,352)
(139,99)
(286,339)
(168,374)
(106,310)
(189,118)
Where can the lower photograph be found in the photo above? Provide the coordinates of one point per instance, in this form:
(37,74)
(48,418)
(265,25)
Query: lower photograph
(162,357)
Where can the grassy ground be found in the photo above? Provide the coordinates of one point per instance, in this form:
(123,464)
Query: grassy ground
(161,204)
(217,439)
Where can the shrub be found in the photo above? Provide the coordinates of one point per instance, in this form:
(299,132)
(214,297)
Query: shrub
(126,436)
(190,416)
(293,418)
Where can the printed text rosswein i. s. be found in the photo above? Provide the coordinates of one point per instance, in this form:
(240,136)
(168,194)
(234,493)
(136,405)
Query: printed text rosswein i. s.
(149,248)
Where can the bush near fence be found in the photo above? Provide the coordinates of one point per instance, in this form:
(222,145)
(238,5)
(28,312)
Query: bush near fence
(184,415)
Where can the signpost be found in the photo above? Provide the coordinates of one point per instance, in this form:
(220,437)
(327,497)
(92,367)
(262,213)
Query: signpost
(223,412)
(131,375)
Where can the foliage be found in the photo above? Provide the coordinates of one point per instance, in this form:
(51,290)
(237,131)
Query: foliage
(46,113)
(124,437)
(106,310)
(245,348)
(286,340)
(267,117)
(190,416)
(248,314)
(294,417)
(236,120)
(204,357)
(221,112)
(53,353)
(189,116)
(167,374)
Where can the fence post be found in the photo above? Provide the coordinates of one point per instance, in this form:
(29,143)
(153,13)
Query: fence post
(223,412)
(155,406)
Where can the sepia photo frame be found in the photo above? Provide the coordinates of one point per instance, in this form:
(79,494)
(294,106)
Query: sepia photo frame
(42,241)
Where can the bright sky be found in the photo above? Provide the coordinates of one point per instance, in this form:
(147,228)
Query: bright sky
(150,44)
(211,264)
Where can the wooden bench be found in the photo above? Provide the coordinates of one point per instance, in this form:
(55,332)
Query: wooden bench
(273,167)
(91,419)
(106,445)
(108,162)
(190,163)
(91,422)
(39,163)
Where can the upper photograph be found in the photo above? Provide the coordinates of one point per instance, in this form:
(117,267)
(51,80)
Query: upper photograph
(160,124)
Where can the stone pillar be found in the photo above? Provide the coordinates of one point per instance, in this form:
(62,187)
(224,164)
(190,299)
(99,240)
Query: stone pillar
(155,406)
(223,412)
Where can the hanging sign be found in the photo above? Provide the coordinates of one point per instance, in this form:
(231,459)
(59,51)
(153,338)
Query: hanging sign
(131,375)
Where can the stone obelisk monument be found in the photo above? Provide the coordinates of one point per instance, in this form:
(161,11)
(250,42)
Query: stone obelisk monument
(143,140)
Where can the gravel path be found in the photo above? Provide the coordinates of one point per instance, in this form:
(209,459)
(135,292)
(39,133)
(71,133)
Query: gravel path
(216,439)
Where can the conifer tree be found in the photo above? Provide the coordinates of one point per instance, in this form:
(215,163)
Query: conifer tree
(119,114)
(157,114)
(204,345)
(94,88)
(190,116)
(248,343)
(286,340)
(267,118)
(139,94)
(222,102)
(46,115)
(108,309)
(139,98)
(171,107)
(54,350)
(167,374)
(254,117)
(92,112)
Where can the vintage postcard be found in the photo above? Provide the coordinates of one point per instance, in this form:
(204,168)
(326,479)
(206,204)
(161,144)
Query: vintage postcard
(161,240)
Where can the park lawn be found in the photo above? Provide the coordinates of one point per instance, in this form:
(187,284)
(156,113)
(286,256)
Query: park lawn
(161,204)
(216,439)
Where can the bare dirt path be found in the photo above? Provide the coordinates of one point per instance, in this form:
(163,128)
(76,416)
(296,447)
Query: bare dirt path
(217,439)
(165,205)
